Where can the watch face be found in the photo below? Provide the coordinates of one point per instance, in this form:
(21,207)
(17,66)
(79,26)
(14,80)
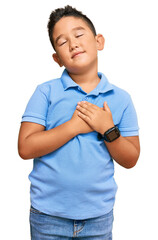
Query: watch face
(112,134)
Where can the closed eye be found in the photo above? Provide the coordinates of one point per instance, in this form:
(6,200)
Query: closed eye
(79,35)
(62,43)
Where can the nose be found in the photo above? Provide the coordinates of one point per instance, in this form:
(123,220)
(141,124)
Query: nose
(73,44)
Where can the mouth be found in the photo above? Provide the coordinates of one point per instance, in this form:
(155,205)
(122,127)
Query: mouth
(76,54)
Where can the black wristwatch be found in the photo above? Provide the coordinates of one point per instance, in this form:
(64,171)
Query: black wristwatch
(110,135)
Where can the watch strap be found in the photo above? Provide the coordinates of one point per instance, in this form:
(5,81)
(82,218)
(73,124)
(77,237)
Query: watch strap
(110,135)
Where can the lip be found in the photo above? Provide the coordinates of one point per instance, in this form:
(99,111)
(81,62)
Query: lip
(76,54)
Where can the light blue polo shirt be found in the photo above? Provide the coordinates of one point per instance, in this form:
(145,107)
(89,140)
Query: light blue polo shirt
(76,181)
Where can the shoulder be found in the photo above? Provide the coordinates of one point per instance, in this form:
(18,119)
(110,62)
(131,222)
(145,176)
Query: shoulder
(120,93)
(119,98)
(49,83)
(47,86)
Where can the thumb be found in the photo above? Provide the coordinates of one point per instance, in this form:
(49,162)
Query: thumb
(105,107)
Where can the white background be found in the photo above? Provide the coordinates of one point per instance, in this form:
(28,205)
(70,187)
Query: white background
(129,60)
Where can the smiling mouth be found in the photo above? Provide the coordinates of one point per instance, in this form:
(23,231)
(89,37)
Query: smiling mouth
(76,54)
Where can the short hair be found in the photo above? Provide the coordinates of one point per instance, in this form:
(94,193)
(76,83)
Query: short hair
(58,13)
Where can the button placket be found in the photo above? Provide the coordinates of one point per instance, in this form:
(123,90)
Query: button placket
(86,99)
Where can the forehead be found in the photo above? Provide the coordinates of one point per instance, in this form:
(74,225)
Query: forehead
(67,24)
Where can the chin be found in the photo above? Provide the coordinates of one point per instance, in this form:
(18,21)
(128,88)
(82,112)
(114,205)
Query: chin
(78,68)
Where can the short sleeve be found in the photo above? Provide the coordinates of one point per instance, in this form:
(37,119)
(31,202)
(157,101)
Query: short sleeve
(128,125)
(37,107)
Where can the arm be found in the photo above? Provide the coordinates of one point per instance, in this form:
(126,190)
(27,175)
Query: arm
(124,150)
(34,141)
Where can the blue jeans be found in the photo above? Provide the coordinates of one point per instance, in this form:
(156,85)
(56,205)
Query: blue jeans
(46,227)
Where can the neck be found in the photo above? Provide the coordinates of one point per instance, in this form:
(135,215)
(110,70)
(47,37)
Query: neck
(88,78)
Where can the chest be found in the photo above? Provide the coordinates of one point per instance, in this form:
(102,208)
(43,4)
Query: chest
(61,108)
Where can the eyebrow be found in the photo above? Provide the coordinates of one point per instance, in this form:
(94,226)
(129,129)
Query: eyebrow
(74,29)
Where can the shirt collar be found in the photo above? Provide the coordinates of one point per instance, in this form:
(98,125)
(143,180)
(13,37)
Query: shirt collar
(102,87)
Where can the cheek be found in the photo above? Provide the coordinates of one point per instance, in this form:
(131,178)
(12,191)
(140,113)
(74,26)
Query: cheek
(92,50)
(90,45)
(63,56)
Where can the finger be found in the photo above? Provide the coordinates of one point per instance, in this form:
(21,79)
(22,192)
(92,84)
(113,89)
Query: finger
(106,107)
(84,109)
(85,106)
(88,105)
(84,117)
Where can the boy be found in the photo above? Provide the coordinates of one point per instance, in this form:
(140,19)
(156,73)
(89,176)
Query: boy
(73,127)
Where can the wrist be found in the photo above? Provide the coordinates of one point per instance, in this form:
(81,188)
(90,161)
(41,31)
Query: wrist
(110,135)
(104,129)
(73,128)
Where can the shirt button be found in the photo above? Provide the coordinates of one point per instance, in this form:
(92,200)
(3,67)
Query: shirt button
(86,98)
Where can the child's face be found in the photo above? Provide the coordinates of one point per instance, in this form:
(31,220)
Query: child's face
(75,44)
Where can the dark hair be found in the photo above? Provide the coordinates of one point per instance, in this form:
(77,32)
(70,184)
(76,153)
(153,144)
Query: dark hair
(58,13)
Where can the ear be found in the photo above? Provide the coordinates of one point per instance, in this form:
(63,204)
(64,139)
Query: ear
(100,40)
(57,59)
